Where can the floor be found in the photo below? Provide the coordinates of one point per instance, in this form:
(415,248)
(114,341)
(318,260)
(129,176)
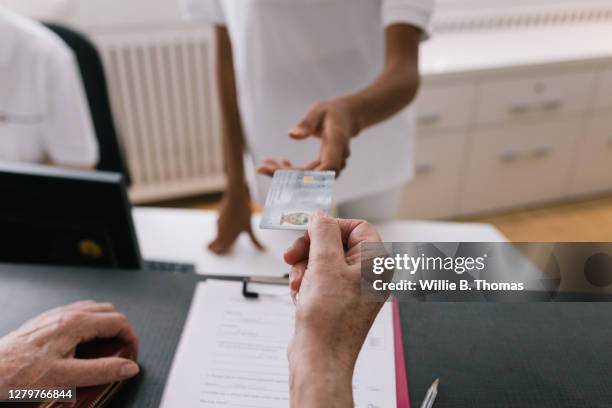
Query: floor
(584,220)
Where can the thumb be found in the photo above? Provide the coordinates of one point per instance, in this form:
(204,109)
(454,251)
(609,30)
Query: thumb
(85,373)
(309,123)
(325,238)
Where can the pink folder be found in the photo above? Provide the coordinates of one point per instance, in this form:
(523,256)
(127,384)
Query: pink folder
(401,381)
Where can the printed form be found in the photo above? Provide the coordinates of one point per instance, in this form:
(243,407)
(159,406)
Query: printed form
(233,352)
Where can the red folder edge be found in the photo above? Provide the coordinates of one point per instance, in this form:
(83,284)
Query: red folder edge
(401,381)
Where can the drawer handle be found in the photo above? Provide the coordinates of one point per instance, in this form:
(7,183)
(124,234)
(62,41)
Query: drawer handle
(424,168)
(541,151)
(429,119)
(552,104)
(509,156)
(519,108)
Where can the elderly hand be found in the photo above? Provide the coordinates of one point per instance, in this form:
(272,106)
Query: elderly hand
(42,352)
(334,124)
(332,320)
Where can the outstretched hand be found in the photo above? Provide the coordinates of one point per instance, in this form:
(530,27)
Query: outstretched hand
(334,125)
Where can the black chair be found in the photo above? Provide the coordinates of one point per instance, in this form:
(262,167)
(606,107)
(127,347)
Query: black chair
(94,81)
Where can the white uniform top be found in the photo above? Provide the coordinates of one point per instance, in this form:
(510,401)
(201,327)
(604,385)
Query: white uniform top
(43,109)
(289,54)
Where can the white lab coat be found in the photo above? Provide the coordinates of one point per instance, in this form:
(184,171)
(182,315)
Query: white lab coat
(44,115)
(291,53)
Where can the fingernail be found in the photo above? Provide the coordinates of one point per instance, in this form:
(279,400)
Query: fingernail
(320,214)
(129,370)
(298,130)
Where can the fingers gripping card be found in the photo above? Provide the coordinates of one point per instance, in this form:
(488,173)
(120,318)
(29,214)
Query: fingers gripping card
(294,196)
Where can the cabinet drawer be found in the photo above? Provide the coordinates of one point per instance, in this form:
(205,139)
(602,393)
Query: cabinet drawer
(603,94)
(444,107)
(434,190)
(518,165)
(593,169)
(536,97)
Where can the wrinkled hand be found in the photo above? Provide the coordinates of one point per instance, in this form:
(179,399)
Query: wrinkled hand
(331,122)
(332,320)
(41,352)
(234,219)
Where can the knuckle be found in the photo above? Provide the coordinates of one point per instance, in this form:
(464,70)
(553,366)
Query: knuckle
(332,165)
(72,319)
(372,232)
(120,319)
(123,319)
(325,257)
(366,224)
(315,106)
(336,134)
(108,369)
(350,277)
(52,378)
(322,222)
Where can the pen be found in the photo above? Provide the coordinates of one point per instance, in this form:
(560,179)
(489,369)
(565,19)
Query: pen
(430,397)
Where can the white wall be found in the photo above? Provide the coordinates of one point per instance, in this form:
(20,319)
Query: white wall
(99,14)
(489,4)
(56,10)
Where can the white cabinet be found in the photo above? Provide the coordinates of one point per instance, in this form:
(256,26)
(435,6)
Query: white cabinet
(444,107)
(603,94)
(593,164)
(493,140)
(518,165)
(433,192)
(545,96)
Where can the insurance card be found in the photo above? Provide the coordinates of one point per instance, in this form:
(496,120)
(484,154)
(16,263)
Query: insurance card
(294,196)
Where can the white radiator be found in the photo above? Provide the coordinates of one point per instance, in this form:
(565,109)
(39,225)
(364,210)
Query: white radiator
(164,100)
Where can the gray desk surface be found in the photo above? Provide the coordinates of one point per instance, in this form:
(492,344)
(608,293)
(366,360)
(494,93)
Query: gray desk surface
(510,355)
(486,355)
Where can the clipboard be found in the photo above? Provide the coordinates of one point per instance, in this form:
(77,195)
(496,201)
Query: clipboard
(401,379)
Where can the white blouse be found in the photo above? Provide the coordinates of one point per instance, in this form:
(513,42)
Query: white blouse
(44,115)
(289,54)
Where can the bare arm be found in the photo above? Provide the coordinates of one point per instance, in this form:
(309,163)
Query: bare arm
(336,121)
(396,86)
(233,136)
(235,212)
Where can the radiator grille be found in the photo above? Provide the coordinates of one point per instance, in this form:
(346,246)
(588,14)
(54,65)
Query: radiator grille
(504,18)
(162,91)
